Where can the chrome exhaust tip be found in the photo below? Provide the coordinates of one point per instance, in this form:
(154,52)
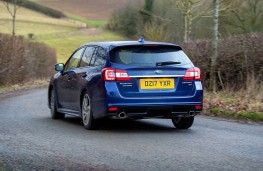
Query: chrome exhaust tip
(191,113)
(122,115)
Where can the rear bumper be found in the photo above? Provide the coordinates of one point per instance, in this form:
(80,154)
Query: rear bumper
(164,107)
(156,111)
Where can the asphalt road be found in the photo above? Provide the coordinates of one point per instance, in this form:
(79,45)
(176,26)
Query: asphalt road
(31,140)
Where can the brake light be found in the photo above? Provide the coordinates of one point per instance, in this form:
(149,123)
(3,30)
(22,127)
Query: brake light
(149,45)
(110,74)
(193,74)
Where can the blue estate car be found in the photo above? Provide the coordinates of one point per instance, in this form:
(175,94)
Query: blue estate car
(127,79)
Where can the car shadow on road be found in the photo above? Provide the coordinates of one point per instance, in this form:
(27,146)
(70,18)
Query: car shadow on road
(129,125)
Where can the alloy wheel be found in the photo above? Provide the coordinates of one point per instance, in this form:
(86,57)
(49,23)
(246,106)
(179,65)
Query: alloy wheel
(86,110)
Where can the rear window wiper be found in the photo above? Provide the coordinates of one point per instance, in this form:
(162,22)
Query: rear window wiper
(167,63)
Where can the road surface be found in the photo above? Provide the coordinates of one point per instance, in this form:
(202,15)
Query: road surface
(31,140)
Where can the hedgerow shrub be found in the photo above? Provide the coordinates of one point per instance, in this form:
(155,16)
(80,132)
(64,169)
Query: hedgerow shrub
(39,8)
(22,60)
(239,59)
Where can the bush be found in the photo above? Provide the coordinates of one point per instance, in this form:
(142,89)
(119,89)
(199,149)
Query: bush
(239,59)
(22,60)
(39,8)
(156,32)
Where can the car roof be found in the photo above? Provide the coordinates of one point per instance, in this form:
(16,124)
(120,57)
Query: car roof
(128,43)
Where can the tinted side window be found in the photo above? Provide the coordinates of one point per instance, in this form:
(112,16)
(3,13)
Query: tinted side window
(74,60)
(100,57)
(88,57)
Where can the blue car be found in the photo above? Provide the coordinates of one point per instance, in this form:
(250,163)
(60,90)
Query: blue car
(127,80)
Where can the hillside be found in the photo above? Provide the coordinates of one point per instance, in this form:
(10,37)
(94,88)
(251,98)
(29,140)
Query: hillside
(29,21)
(88,9)
(60,34)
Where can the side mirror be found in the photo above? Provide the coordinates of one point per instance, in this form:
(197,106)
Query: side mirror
(59,67)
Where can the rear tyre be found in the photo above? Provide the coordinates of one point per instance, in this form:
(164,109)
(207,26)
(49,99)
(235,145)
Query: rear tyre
(183,122)
(86,111)
(53,107)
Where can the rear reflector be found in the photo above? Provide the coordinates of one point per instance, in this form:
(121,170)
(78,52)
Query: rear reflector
(193,74)
(198,107)
(111,74)
(113,109)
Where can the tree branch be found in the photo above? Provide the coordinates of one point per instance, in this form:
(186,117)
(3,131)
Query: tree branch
(6,4)
(145,12)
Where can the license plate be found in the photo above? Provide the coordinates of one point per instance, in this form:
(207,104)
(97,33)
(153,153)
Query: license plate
(158,83)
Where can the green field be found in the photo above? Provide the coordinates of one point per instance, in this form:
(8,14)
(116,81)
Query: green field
(90,23)
(66,44)
(61,34)
(32,22)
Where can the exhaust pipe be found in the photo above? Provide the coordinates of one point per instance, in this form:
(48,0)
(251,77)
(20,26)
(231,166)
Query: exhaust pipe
(191,113)
(122,115)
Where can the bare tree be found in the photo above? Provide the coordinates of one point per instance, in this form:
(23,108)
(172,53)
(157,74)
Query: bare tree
(12,9)
(245,15)
(212,83)
(192,11)
(148,6)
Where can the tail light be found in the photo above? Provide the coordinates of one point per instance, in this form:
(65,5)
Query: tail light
(110,74)
(193,74)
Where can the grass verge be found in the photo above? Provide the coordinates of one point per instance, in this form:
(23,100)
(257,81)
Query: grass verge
(27,85)
(13,90)
(234,105)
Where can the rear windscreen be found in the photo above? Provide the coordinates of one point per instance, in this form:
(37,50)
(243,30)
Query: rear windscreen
(148,55)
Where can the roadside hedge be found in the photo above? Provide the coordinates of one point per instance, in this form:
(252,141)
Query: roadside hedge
(240,58)
(22,60)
